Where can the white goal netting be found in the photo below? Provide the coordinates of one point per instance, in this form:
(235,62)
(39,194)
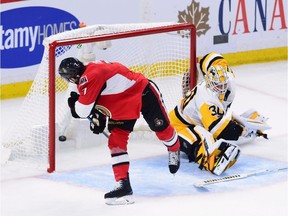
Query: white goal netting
(161,56)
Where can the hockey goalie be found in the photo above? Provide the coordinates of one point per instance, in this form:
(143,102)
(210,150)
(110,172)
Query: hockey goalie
(210,133)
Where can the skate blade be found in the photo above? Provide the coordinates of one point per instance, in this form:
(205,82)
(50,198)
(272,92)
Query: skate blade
(125,200)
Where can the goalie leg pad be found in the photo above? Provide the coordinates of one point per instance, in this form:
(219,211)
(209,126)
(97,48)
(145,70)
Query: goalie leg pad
(227,157)
(200,146)
(222,158)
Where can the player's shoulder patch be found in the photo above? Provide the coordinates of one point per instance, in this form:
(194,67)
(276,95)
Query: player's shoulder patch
(83,80)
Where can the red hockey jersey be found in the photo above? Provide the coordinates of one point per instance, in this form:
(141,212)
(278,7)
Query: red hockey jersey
(120,90)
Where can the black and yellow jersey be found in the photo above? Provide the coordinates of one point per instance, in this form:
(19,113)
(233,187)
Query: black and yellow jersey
(203,107)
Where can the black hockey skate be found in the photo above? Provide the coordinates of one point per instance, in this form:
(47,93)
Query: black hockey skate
(174,161)
(121,194)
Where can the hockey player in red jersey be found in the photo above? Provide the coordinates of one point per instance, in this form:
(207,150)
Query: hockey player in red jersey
(209,132)
(110,90)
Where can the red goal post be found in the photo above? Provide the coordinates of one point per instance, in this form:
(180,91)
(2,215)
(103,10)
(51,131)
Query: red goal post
(99,38)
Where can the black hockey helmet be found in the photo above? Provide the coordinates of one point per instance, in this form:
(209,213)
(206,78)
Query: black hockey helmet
(71,69)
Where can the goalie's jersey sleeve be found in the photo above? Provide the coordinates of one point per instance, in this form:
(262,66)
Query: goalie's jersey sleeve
(203,108)
(118,91)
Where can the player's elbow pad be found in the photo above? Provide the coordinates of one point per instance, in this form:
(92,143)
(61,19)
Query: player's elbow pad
(231,132)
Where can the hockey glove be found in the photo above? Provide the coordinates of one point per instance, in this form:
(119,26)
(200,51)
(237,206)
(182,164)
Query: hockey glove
(97,122)
(253,127)
(71,103)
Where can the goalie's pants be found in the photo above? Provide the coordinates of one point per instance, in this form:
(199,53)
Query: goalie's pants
(154,113)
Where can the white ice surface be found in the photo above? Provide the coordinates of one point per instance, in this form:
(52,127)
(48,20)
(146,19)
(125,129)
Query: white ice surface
(26,192)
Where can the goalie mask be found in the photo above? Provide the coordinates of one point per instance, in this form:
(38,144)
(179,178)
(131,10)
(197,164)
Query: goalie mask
(217,80)
(71,69)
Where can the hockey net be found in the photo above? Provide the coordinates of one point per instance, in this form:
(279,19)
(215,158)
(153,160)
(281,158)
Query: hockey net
(163,52)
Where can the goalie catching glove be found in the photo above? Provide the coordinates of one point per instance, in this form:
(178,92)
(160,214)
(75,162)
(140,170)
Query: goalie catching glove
(97,122)
(253,123)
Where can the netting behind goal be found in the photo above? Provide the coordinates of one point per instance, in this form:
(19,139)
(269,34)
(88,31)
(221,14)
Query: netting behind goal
(161,51)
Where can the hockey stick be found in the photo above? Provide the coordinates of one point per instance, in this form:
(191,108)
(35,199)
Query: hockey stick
(106,134)
(66,122)
(63,138)
(236,177)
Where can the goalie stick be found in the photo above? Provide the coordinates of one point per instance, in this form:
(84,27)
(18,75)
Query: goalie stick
(235,177)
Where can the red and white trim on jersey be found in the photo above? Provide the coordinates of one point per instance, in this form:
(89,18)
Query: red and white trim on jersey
(117,84)
(120,165)
(171,141)
(120,158)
